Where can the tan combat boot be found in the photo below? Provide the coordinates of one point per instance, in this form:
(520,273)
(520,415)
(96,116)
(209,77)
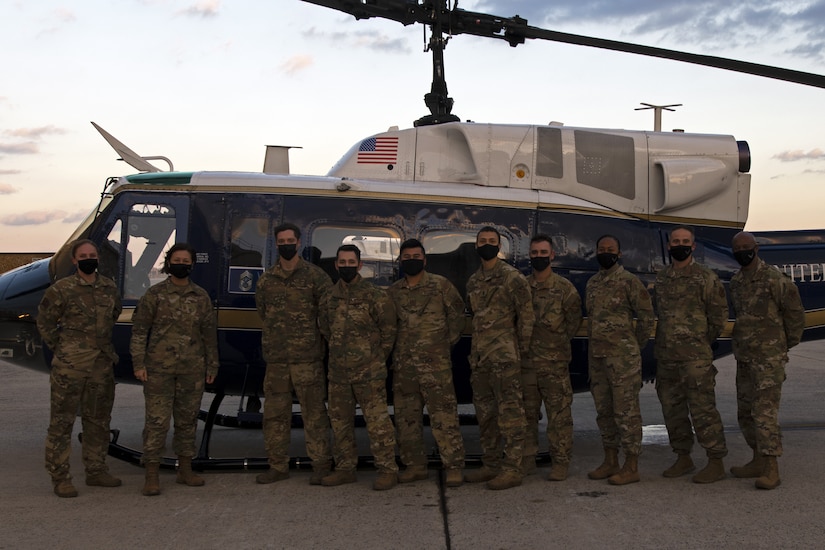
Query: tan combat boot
(528,465)
(714,471)
(151,486)
(558,472)
(271,476)
(454,477)
(629,472)
(185,474)
(385,481)
(64,488)
(770,475)
(751,469)
(318,475)
(412,473)
(505,480)
(482,474)
(338,477)
(610,465)
(103,479)
(683,465)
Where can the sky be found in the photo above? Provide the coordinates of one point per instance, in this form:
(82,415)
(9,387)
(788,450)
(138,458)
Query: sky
(210,83)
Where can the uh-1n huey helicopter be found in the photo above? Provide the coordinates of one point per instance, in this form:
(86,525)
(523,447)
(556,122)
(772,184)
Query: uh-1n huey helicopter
(439,181)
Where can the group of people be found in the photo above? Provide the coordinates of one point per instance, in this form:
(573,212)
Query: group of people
(522,329)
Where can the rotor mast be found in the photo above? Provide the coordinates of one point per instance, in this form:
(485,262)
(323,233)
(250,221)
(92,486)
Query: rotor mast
(437,101)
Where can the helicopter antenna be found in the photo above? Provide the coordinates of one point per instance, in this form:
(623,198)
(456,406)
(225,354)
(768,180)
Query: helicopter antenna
(130,157)
(657,113)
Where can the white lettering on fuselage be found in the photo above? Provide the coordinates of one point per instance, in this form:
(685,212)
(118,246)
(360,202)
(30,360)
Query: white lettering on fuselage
(803,273)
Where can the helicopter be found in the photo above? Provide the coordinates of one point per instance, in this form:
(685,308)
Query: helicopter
(439,181)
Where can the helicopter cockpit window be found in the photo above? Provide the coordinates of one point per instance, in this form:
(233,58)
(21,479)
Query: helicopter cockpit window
(606,162)
(549,157)
(150,231)
(248,242)
(378,246)
(452,254)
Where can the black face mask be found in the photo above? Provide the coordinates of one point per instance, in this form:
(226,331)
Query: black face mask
(681,252)
(487,251)
(287,251)
(412,267)
(180,271)
(745,257)
(347,273)
(607,259)
(540,263)
(87,265)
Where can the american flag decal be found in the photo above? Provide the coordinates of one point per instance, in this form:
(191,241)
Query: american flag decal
(378,150)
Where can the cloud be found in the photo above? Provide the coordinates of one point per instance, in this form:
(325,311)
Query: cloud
(798,154)
(296,64)
(206,9)
(28,148)
(34,217)
(371,40)
(8,172)
(78,216)
(35,133)
(64,15)
(6,189)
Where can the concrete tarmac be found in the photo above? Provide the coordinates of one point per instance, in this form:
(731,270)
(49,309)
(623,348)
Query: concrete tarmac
(232,511)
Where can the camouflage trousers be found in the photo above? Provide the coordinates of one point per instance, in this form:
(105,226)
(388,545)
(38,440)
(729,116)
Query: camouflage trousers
(615,383)
(686,390)
(309,382)
(758,391)
(497,399)
(412,388)
(372,396)
(92,394)
(548,381)
(168,396)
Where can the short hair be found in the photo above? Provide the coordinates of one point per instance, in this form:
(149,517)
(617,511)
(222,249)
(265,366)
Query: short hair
(77,244)
(542,238)
(411,243)
(489,229)
(175,248)
(609,236)
(287,227)
(348,248)
(688,228)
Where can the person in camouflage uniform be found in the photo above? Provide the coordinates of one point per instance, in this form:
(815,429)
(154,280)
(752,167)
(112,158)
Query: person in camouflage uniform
(287,298)
(500,302)
(358,321)
(430,319)
(692,309)
(613,298)
(770,320)
(75,319)
(174,350)
(546,371)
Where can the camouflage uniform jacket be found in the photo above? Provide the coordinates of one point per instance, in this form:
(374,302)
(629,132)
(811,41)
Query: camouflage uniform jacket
(174,330)
(502,309)
(430,319)
(359,323)
(558,309)
(692,309)
(76,318)
(287,302)
(770,317)
(614,296)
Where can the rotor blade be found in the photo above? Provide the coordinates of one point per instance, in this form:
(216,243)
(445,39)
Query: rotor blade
(515,30)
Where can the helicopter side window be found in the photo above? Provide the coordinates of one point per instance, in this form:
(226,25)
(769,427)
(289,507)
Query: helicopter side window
(150,232)
(606,162)
(248,242)
(378,246)
(452,253)
(548,153)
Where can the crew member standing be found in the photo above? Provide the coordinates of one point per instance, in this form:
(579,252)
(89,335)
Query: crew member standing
(770,320)
(430,319)
(174,351)
(287,298)
(546,371)
(75,319)
(359,322)
(613,298)
(501,305)
(692,310)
